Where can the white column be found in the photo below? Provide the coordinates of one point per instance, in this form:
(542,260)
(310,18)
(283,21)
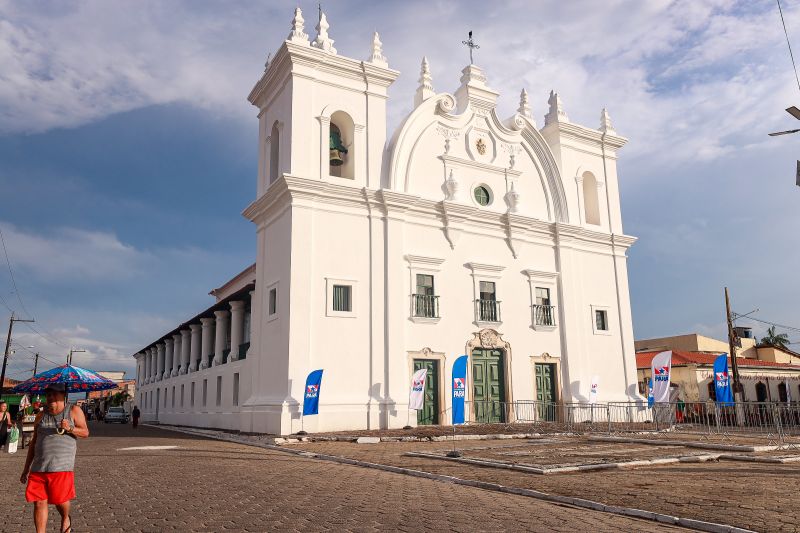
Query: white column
(153,363)
(186,339)
(176,354)
(205,347)
(220,335)
(160,356)
(237,325)
(146,379)
(167,358)
(150,365)
(194,352)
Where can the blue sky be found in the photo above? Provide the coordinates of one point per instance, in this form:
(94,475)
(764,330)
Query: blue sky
(128,149)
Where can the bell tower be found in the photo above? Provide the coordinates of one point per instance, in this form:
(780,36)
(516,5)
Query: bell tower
(322,115)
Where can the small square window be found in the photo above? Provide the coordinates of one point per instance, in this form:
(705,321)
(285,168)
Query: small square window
(342,298)
(601,319)
(273,301)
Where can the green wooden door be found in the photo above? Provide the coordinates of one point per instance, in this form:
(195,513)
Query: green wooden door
(488,386)
(545,390)
(429,414)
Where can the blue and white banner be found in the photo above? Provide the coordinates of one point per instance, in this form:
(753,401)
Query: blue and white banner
(722,381)
(459,388)
(311,396)
(661,369)
(416,398)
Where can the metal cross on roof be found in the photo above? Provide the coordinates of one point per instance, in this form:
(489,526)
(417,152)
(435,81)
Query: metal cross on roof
(471,45)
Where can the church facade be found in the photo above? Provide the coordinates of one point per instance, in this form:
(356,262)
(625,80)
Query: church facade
(462,233)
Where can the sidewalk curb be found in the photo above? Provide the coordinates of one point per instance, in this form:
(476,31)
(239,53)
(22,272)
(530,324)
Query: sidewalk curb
(552,498)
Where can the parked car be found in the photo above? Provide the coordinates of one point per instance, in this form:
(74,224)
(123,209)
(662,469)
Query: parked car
(116,414)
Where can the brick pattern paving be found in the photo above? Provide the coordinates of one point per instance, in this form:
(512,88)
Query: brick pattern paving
(211,486)
(756,496)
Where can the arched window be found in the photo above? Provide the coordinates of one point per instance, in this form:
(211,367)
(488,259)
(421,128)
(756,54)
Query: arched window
(591,203)
(274,153)
(761,392)
(782,395)
(712,390)
(341,152)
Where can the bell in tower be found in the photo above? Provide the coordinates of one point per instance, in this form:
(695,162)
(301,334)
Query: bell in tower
(336,147)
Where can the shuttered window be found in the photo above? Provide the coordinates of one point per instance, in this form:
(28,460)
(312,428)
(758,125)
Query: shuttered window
(342,298)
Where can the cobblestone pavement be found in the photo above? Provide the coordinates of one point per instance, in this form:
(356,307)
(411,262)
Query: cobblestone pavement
(751,495)
(210,486)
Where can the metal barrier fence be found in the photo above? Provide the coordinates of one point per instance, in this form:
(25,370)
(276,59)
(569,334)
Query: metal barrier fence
(772,421)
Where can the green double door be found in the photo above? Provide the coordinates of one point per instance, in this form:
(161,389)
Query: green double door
(488,386)
(546,390)
(429,414)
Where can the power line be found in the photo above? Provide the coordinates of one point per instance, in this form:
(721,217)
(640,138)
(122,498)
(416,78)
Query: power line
(790,328)
(10,271)
(780,10)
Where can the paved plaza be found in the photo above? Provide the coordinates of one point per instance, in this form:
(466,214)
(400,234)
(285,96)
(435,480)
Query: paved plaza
(191,483)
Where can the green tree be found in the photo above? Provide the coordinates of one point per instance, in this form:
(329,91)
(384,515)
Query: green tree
(119,398)
(779,340)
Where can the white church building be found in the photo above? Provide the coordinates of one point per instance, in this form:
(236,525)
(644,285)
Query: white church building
(461,233)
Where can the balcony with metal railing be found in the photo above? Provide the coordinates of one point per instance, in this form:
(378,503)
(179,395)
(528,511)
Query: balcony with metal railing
(487,311)
(425,307)
(544,316)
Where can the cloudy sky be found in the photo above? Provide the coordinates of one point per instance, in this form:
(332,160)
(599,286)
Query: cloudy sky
(128,149)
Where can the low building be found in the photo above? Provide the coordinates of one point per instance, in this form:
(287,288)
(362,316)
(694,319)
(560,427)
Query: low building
(767,373)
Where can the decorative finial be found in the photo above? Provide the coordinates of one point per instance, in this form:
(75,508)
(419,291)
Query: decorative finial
(524,107)
(471,45)
(425,89)
(451,185)
(377,51)
(323,42)
(298,35)
(556,113)
(512,199)
(605,123)
(269,60)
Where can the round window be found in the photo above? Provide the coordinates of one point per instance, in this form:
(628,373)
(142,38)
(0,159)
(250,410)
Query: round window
(482,195)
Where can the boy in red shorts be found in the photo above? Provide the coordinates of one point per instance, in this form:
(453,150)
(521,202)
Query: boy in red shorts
(51,458)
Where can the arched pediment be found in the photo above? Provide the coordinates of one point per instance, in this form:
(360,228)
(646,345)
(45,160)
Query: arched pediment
(476,147)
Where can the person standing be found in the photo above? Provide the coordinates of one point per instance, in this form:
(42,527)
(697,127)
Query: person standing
(5,424)
(49,466)
(135,416)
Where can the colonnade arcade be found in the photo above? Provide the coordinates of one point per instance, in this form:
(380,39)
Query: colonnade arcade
(218,335)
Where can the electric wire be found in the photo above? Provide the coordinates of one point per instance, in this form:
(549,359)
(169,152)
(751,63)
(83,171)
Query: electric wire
(11,272)
(791,55)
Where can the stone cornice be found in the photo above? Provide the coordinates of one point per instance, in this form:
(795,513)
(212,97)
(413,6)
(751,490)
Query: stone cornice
(469,163)
(570,131)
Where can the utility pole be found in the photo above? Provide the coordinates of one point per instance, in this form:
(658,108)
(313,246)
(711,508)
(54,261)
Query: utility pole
(732,348)
(737,385)
(8,347)
(72,351)
(35,363)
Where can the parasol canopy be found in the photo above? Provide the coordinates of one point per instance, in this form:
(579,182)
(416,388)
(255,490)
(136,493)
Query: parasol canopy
(75,378)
